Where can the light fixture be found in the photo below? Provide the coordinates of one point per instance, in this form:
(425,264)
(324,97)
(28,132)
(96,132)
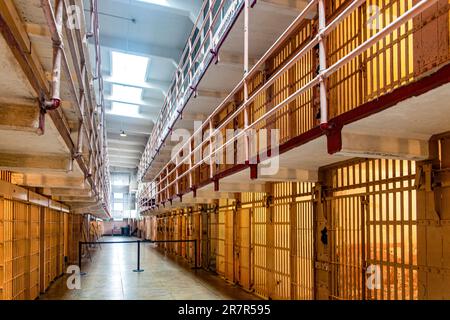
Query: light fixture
(123,134)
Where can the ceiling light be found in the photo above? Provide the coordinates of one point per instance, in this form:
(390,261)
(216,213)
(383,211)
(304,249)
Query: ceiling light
(123,134)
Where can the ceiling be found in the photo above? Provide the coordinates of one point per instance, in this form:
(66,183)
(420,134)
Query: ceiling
(141,43)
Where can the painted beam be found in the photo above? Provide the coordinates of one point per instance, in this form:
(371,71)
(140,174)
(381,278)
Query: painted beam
(30,163)
(139,48)
(20,118)
(49,181)
(161,86)
(61,192)
(369,146)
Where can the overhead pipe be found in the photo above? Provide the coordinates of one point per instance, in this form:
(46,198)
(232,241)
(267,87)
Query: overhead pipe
(323,66)
(55,23)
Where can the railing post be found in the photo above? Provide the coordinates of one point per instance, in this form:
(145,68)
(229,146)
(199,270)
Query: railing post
(323,65)
(246,69)
(211,162)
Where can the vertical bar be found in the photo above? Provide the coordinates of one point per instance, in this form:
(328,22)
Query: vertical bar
(79,254)
(246,69)
(364,200)
(211,161)
(195,252)
(323,64)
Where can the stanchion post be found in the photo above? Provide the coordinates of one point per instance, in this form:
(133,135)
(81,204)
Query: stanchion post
(138,258)
(195,252)
(80,247)
(79,255)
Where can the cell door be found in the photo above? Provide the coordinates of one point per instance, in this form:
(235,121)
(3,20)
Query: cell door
(373,230)
(347,259)
(242,244)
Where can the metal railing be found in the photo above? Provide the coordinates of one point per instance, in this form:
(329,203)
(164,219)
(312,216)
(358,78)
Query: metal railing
(214,21)
(138,242)
(173,172)
(90,114)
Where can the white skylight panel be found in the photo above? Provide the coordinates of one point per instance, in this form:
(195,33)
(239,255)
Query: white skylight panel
(125,109)
(126,94)
(128,67)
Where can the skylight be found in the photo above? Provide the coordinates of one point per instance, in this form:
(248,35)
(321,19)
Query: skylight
(126,94)
(128,67)
(125,109)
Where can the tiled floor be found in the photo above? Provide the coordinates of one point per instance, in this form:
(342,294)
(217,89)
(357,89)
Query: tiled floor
(110,276)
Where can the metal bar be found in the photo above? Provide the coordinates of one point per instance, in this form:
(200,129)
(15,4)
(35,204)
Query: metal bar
(323,65)
(424,4)
(138,258)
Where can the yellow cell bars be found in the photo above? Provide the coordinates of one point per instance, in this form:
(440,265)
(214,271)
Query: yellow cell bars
(388,62)
(35,237)
(15,250)
(74,236)
(302,242)
(213,234)
(242,247)
(259,242)
(282,239)
(53,245)
(19,250)
(5,175)
(373,230)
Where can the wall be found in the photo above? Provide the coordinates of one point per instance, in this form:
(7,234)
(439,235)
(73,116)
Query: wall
(371,229)
(36,236)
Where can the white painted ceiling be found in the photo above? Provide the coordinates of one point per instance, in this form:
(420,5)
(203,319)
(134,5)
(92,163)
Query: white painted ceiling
(156,30)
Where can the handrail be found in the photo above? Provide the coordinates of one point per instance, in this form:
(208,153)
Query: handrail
(178,85)
(323,74)
(96,169)
(260,62)
(291,62)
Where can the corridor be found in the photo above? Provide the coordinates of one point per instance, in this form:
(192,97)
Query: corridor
(110,276)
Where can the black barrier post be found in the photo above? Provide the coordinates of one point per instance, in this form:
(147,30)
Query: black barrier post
(195,252)
(80,246)
(138,258)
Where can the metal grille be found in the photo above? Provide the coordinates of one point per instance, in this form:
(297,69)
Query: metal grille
(371,209)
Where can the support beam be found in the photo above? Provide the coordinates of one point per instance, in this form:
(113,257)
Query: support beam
(15,34)
(49,181)
(113,146)
(20,118)
(161,86)
(58,192)
(133,126)
(130,140)
(30,163)
(38,30)
(87,200)
(228,58)
(148,103)
(286,7)
(139,48)
(286,174)
(235,187)
(181,8)
(369,146)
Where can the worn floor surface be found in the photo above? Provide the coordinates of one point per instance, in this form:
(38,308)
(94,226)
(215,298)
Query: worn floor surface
(110,276)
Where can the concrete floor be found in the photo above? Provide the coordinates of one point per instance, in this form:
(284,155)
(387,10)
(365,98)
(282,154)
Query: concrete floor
(110,276)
